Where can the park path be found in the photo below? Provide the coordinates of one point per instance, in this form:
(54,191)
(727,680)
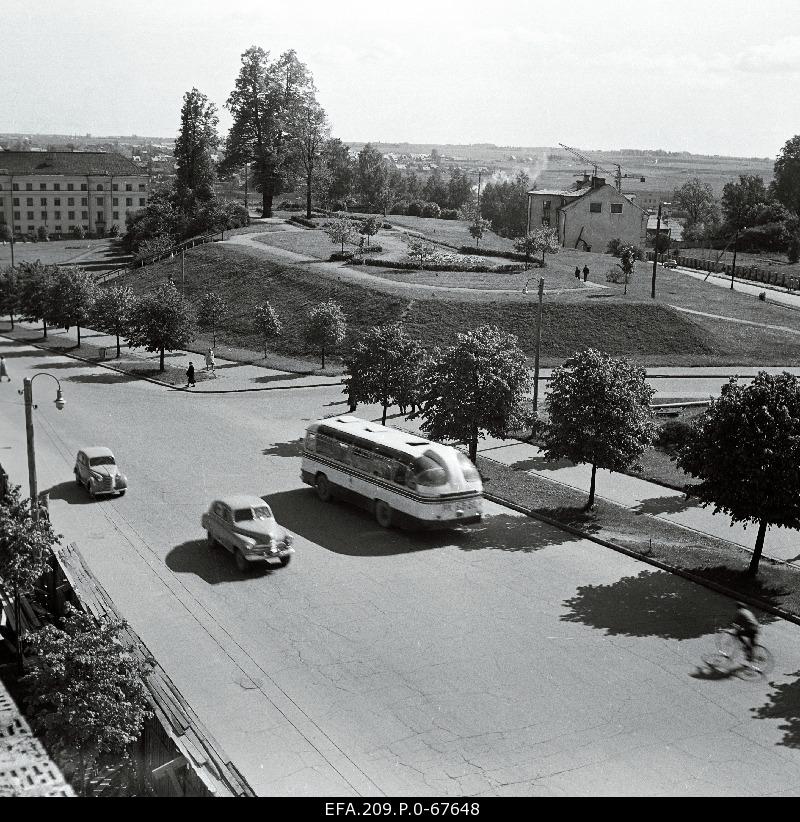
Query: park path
(783,328)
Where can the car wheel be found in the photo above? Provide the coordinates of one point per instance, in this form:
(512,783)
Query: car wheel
(78,479)
(323,487)
(241,563)
(383,513)
(90,489)
(286,560)
(212,543)
(122,492)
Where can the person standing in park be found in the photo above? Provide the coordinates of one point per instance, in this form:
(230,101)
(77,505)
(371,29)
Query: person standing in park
(190,376)
(585,273)
(3,370)
(210,364)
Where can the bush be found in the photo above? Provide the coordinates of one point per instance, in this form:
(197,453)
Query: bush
(415,208)
(290,205)
(41,234)
(444,265)
(399,208)
(763,296)
(614,248)
(450,213)
(793,250)
(339,256)
(431,210)
(303,222)
(672,435)
(489,252)
(78,233)
(615,275)
(372,249)
(114,230)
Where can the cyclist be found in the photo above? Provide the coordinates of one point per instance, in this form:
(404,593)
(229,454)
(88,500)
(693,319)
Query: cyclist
(745,628)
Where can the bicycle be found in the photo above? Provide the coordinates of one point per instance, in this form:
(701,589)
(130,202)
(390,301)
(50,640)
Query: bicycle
(730,656)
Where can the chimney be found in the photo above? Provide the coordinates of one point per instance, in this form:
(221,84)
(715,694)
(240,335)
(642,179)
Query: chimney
(598,182)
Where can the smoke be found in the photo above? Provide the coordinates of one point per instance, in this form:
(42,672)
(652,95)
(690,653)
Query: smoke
(533,170)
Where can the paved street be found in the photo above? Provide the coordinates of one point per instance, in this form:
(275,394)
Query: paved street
(511,659)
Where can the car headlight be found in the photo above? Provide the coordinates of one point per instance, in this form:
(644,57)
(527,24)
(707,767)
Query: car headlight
(288,539)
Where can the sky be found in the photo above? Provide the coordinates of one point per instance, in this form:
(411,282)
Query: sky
(706,76)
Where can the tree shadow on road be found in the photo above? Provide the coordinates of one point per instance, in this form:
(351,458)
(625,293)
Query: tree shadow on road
(784,704)
(213,565)
(668,504)
(285,449)
(69,364)
(540,464)
(276,378)
(106,378)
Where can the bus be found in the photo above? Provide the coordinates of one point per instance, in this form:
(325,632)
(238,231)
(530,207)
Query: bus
(403,479)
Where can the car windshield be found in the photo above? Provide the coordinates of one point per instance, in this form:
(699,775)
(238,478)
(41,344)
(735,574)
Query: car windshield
(102,461)
(246,514)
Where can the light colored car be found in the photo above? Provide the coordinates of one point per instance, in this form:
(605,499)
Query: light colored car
(670,263)
(246,526)
(98,472)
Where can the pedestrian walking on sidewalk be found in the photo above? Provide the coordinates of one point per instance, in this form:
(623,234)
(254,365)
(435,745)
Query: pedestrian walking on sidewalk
(585,272)
(577,273)
(190,376)
(3,370)
(210,364)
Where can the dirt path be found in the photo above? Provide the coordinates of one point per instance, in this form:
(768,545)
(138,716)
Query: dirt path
(784,328)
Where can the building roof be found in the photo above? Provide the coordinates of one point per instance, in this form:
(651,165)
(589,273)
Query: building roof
(67,163)
(557,192)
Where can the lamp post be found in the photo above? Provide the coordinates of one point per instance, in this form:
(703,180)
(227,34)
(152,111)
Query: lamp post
(538,342)
(655,250)
(735,244)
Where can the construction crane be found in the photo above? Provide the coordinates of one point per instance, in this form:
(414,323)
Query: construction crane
(617,175)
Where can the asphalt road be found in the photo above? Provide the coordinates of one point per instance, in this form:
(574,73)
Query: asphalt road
(509,659)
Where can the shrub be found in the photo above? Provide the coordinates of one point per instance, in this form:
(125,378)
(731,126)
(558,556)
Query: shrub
(372,249)
(449,214)
(763,296)
(415,208)
(339,256)
(78,233)
(114,230)
(41,234)
(614,275)
(400,208)
(672,435)
(431,210)
(303,222)
(614,247)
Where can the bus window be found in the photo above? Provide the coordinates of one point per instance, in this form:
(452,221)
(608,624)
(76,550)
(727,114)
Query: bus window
(400,473)
(467,468)
(311,441)
(429,471)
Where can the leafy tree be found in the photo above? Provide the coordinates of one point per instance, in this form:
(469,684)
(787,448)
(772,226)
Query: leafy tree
(159,218)
(505,205)
(436,190)
(74,293)
(370,227)
(599,410)
(311,130)
(210,313)
(325,326)
(477,385)
(459,189)
(26,544)
(9,293)
(264,105)
(478,228)
(627,264)
(112,309)
(334,176)
(745,449)
(545,240)
(696,198)
(371,177)
(194,148)
(266,323)
(78,233)
(161,321)
(378,366)
(742,202)
(340,230)
(86,692)
(420,251)
(154,248)
(41,234)
(37,287)
(786,185)
(5,233)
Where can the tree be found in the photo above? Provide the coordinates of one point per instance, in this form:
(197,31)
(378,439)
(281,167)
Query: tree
(627,264)
(599,410)
(696,198)
(742,202)
(266,323)
(477,385)
(478,228)
(9,293)
(340,230)
(159,218)
(86,692)
(210,313)
(154,248)
(194,149)
(459,189)
(377,366)
(37,285)
(505,205)
(370,227)
(264,105)
(420,251)
(311,130)
(745,449)
(26,544)
(545,240)
(436,190)
(786,186)
(161,321)
(74,293)
(325,326)
(5,233)
(371,177)
(112,309)
(335,174)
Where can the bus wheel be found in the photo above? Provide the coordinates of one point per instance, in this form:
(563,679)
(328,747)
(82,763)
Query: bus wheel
(383,513)
(323,487)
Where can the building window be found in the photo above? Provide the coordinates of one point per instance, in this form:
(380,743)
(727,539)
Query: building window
(128,187)
(56,186)
(546,205)
(129,201)
(595,208)
(142,187)
(57,201)
(70,187)
(115,201)
(29,201)
(100,217)
(70,215)
(84,187)
(100,201)
(70,201)
(15,186)
(28,186)
(616,208)
(17,215)
(30,216)
(16,201)
(1,203)
(43,201)
(31,229)
(42,186)
(115,187)
(56,215)
(44,216)
(84,201)
(115,215)
(58,229)
(141,201)
(84,215)
(99,186)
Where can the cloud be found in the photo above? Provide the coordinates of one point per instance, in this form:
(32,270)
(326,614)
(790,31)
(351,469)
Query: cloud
(780,57)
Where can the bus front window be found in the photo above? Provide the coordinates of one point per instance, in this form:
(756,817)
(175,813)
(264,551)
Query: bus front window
(469,471)
(429,470)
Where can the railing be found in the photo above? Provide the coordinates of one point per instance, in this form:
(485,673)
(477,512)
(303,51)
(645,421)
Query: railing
(752,273)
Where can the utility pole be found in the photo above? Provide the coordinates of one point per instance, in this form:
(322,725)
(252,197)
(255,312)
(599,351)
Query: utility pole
(246,206)
(735,245)
(655,250)
(538,348)
(478,210)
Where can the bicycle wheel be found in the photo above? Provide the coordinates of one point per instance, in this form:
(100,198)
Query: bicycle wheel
(718,662)
(730,646)
(759,666)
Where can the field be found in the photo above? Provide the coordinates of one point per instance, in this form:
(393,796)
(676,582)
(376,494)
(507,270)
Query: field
(94,254)
(648,332)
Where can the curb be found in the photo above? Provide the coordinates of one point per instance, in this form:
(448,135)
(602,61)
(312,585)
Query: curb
(681,572)
(166,384)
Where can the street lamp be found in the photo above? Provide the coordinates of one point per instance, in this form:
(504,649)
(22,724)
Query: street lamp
(60,402)
(655,250)
(538,342)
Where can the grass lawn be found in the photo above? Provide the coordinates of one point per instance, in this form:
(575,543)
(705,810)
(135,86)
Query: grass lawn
(455,232)
(96,253)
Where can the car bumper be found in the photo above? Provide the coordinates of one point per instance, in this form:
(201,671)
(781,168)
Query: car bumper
(266,555)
